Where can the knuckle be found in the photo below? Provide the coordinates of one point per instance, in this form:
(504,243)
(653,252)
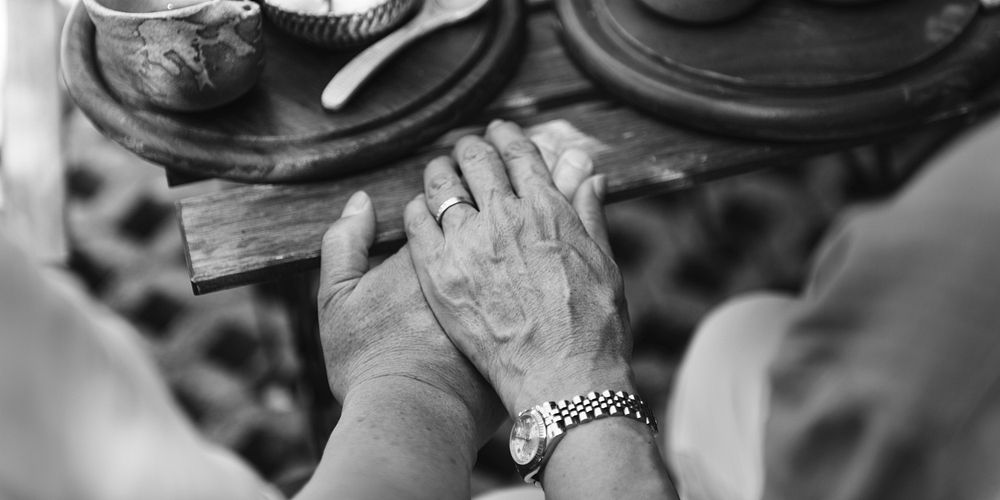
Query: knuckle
(492,200)
(414,210)
(413,224)
(476,152)
(517,149)
(414,206)
(495,198)
(448,274)
(440,182)
(506,227)
(450,282)
(550,207)
(461,215)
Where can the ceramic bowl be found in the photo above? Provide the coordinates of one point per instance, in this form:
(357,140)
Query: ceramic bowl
(181,55)
(338,24)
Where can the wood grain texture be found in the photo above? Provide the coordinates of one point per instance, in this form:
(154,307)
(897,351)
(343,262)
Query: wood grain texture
(795,43)
(853,109)
(279,131)
(255,233)
(32,201)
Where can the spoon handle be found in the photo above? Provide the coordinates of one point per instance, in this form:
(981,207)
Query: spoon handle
(349,79)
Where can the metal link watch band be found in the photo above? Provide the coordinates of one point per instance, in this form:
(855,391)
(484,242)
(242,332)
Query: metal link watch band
(571,412)
(538,430)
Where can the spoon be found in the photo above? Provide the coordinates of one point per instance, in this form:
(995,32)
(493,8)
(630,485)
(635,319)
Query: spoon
(433,15)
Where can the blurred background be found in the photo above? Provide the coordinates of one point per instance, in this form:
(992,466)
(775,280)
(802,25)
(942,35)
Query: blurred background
(228,356)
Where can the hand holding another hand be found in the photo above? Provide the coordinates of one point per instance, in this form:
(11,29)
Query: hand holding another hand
(376,324)
(525,286)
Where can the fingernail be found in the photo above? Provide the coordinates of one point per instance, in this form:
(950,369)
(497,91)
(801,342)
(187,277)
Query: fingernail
(358,203)
(579,159)
(494,124)
(601,186)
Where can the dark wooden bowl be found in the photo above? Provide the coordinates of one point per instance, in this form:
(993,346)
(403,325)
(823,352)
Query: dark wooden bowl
(789,69)
(279,131)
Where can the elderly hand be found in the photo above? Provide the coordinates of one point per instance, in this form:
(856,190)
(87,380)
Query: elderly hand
(375,323)
(525,286)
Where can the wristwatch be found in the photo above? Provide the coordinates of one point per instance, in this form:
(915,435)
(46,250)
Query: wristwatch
(538,430)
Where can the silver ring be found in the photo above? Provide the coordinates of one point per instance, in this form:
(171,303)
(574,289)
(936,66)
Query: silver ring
(450,202)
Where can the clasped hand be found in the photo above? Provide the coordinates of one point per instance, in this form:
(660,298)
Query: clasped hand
(522,284)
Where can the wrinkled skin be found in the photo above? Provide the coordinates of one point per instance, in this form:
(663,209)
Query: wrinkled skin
(376,323)
(524,286)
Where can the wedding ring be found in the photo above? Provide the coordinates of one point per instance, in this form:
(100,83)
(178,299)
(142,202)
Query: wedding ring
(450,202)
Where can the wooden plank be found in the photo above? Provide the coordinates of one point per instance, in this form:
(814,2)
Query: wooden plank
(256,233)
(31,163)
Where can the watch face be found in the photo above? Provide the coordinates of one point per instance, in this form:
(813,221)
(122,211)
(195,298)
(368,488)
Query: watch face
(527,437)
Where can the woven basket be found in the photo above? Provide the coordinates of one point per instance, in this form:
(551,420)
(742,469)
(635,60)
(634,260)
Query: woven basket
(338,32)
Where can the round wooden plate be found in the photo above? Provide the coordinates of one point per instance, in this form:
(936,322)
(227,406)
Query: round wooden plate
(279,131)
(793,70)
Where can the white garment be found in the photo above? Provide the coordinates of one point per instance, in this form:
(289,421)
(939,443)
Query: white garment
(715,432)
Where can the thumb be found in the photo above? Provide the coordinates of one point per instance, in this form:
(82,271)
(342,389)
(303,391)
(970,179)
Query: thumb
(344,258)
(589,204)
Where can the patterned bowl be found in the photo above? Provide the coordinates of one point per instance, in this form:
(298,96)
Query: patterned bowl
(181,55)
(338,24)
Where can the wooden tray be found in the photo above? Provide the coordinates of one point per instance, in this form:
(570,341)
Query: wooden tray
(279,132)
(790,69)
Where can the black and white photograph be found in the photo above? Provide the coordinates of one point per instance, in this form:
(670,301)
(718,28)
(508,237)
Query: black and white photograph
(499,249)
